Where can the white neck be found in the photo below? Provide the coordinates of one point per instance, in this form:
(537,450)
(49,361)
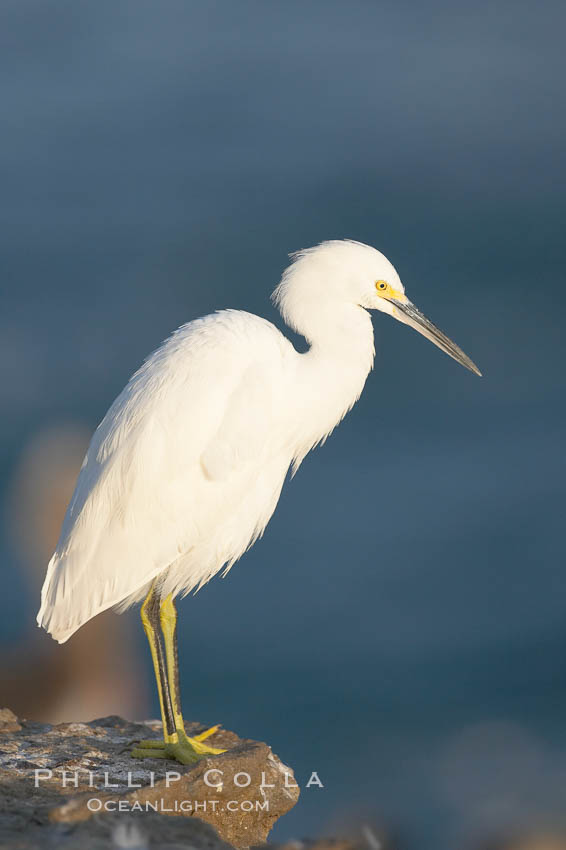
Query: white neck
(332,373)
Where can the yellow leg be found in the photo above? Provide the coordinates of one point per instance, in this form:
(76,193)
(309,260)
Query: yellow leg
(168,618)
(148,610)
(176,743)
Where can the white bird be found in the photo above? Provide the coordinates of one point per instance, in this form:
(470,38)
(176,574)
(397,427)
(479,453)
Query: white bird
(186,468)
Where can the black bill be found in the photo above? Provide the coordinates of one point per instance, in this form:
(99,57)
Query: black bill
(408,313)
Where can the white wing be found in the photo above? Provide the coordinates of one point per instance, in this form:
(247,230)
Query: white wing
(196,413)
(243,427)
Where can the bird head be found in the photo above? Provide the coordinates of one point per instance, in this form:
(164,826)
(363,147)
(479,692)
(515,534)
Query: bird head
(346,272)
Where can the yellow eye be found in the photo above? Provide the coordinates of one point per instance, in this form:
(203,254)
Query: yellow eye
(381,285)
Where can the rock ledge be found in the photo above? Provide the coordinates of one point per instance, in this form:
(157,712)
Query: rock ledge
(76,785)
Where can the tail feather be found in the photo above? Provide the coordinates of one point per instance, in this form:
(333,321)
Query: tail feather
(65,606)
(53,616)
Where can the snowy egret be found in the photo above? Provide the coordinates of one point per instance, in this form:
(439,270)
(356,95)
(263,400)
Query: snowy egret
(185,470)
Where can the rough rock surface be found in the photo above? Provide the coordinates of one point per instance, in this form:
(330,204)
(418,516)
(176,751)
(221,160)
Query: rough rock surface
(76,785)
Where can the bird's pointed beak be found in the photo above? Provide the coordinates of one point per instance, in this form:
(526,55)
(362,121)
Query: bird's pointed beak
(407,313)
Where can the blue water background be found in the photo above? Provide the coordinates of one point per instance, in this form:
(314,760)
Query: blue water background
(401,628)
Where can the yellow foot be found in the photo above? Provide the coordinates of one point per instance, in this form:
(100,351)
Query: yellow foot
(184,749)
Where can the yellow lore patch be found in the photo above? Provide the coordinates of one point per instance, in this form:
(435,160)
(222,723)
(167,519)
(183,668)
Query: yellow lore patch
(386,291)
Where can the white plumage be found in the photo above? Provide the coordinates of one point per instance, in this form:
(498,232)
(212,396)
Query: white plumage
(185,470)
